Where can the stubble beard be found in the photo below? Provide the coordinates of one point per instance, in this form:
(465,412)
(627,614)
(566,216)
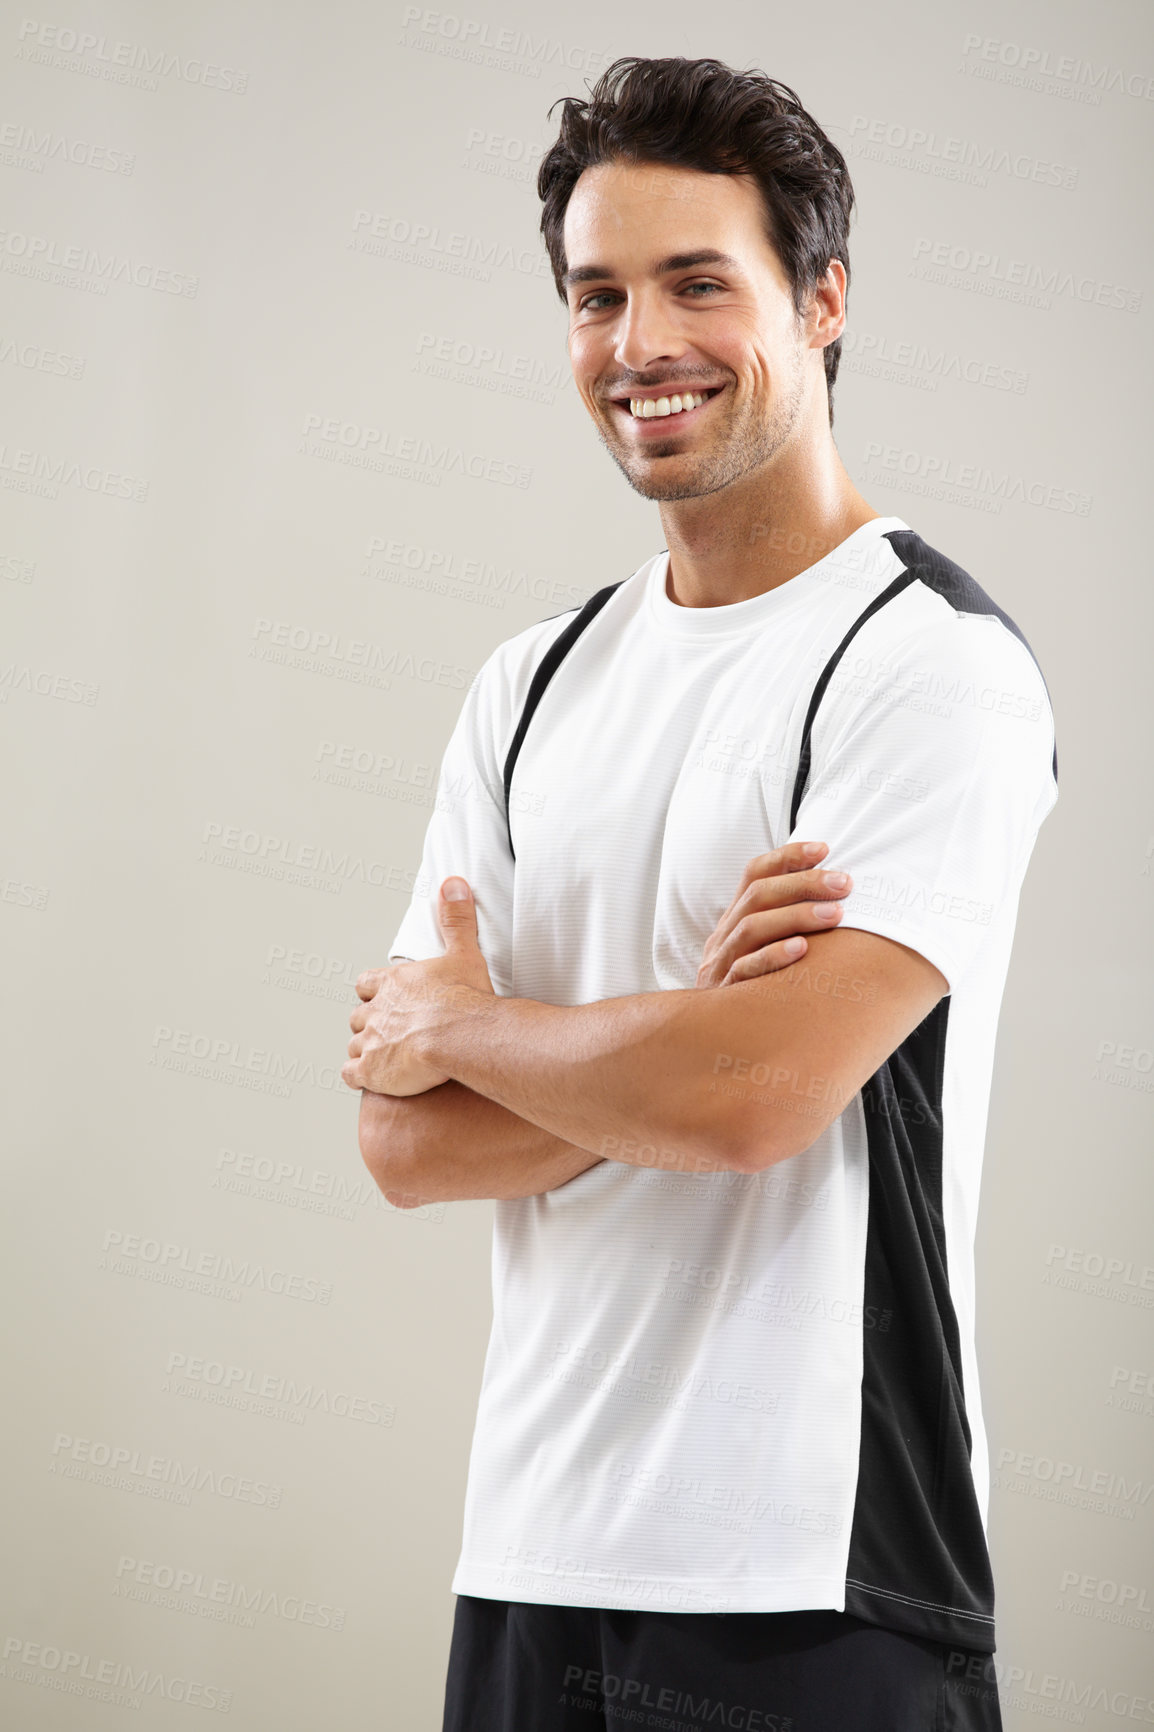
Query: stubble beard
(732,452)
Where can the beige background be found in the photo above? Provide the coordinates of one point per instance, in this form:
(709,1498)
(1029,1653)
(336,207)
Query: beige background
(197,484)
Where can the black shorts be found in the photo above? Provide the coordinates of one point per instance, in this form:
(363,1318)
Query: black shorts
(516,1667)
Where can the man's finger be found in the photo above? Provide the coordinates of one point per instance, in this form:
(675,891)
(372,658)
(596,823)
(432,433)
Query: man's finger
(458,916)
(790,857)
(368,984)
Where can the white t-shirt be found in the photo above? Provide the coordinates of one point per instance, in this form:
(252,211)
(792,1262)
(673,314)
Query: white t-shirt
(750,1392)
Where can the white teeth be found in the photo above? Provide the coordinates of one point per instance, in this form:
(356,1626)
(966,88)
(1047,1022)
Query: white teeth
(645,408)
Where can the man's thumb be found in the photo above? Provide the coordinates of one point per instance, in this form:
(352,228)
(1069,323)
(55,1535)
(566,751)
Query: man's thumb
(457,912)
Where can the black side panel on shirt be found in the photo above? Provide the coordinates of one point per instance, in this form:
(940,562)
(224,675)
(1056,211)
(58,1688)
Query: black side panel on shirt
(918,1558)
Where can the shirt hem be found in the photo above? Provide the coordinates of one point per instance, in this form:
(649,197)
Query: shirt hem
(669,1594)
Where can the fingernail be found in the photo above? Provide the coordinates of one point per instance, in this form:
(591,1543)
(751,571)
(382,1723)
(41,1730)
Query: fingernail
(825,910)
(813,848)
(456,890)
(837,880)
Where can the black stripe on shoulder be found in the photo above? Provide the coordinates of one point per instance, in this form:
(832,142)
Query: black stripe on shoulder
(543,673)
(956,586)
(900,582)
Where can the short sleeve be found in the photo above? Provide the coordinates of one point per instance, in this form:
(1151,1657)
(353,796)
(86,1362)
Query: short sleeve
(467,835)
(930,775)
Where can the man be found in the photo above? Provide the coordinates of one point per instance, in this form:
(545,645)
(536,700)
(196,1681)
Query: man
(729,1465)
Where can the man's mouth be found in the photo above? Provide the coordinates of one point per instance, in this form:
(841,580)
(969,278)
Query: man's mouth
(683,406)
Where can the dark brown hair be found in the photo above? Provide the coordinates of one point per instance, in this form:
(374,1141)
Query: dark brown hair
(702,114)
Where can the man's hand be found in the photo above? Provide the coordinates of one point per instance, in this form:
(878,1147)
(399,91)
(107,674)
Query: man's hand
(404,1001)
(781,896)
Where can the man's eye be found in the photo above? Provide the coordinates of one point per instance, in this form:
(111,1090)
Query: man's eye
(587,305)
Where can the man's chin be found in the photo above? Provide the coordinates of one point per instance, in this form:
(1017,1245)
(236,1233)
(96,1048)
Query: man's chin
(653,478)
(669,479)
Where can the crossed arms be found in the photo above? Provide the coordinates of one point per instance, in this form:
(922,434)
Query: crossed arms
(750,1066)
(732,1076)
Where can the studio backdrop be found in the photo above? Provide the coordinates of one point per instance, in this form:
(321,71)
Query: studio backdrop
(288,444)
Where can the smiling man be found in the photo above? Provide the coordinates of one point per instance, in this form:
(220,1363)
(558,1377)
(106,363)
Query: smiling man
(729,1463)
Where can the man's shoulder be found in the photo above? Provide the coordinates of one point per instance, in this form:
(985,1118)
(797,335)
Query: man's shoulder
(944,598)
(508,668)
(942,620)
(507,672)
(940,654)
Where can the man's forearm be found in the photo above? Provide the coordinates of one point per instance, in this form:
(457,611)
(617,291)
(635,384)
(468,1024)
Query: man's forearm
(634,1079)
(735,1077)
(450,1144)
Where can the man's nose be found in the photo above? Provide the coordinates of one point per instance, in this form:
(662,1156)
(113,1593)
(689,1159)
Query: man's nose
(646,333)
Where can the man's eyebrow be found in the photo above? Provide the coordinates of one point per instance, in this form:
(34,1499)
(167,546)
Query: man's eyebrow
(675,262)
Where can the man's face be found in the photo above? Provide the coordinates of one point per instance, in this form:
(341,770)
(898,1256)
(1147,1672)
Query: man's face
(725,328)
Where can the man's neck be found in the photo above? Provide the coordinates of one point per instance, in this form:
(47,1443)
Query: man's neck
(727,552)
